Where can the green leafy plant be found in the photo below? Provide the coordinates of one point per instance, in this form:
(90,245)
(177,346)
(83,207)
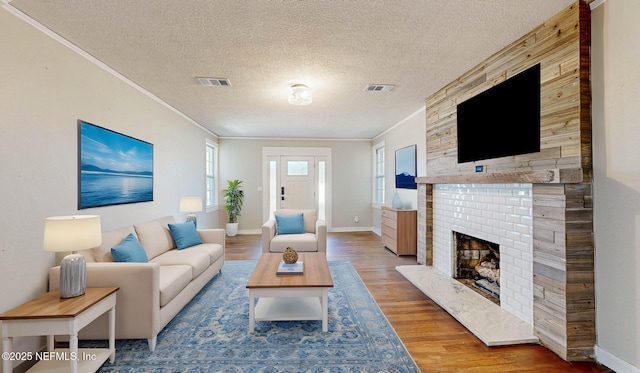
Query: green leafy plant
(233,197)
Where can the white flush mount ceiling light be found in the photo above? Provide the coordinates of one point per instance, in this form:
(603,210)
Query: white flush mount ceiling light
(300,95)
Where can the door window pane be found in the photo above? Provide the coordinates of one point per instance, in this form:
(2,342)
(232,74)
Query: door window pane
(297,168)
(321,189)
(273,187)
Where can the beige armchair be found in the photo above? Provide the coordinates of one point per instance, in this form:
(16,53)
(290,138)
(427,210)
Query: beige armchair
(314,237)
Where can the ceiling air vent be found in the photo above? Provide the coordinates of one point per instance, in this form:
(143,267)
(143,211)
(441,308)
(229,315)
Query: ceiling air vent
(214,82)
(379,87)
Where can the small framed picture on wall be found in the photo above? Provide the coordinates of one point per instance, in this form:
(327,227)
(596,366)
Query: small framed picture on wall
(406,168)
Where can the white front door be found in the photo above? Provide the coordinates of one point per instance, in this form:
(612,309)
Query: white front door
(297,183)
(297,178)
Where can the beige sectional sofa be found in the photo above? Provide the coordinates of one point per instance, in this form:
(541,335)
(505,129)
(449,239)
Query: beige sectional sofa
(151,293)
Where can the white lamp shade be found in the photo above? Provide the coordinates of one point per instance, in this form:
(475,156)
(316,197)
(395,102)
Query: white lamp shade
(72,233)
(190,204)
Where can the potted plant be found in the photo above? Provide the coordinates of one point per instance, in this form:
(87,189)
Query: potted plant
(233,198)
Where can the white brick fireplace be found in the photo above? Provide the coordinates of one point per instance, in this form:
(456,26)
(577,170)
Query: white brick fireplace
(499,213)
(545,233)
(537,206)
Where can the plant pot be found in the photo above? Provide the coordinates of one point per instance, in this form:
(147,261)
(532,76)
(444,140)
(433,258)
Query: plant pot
(232,229)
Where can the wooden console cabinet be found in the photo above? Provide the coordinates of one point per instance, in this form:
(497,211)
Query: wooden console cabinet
(399,230)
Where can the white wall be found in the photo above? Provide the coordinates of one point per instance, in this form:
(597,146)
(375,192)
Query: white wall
(44,89)
(410,131)
(351,187)
(616,159)
(350,179)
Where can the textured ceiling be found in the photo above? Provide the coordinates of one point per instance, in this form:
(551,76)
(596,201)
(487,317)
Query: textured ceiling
(336,47)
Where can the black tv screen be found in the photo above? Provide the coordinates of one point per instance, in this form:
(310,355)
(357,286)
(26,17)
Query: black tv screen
(501,121)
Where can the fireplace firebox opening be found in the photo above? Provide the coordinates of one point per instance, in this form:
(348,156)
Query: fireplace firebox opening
(477,265)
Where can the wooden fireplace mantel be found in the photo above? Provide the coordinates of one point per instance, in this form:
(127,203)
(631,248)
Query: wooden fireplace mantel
(550,176)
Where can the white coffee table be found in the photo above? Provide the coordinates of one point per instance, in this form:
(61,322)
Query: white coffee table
(304,296)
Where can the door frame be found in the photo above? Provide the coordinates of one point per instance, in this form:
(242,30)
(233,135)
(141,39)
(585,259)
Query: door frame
(270,152)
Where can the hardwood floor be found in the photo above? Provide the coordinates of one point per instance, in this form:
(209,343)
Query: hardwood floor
(435,340)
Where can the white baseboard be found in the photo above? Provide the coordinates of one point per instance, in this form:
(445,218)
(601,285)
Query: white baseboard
(352,229)
(249,231)
(343,229)
(613,362)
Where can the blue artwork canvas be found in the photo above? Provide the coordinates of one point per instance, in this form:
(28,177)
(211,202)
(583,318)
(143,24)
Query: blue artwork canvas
(113,168)
(406,168)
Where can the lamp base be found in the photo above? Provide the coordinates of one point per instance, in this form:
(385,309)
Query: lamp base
(192,217)
(73,276)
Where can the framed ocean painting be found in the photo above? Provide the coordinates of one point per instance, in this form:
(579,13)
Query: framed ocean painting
(113,168)
(406,168)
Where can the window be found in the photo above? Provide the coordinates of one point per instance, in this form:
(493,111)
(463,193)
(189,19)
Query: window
(273,187)
(297,168)
(378,165)
(212,175)
(322,189)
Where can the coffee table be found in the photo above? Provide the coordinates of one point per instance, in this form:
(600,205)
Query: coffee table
(304,296)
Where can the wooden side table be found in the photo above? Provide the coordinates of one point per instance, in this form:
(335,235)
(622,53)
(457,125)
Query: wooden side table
(49,315)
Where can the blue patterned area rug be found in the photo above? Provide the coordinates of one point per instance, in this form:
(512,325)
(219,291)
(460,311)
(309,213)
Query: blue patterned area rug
(211,334)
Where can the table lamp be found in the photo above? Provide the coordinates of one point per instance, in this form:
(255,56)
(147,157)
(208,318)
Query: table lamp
(191,205)
(72,233)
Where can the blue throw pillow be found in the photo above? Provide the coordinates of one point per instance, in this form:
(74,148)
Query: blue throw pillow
(289,224)
(129,250)
(185,235)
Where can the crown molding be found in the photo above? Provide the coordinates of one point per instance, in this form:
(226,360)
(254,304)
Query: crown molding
(39,26)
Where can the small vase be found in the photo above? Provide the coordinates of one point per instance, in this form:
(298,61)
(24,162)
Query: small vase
(396,203)
(290,256)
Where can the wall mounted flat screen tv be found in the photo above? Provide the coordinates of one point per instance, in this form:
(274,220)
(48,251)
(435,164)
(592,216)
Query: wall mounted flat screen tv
(501,121)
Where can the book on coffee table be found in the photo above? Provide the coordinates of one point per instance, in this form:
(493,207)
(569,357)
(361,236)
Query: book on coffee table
(290,269)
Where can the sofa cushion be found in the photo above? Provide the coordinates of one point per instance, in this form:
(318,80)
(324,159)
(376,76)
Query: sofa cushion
(110,239)
(289,224)
(299,242)
(155,236)
(309,217)
(172,280)
(197,260)
(214,250)
(184,235)
(129,250)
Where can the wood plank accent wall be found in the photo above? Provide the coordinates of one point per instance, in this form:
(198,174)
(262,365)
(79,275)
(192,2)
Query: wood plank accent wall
(563,275)
(561,46)
(425,224)
(561,173)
